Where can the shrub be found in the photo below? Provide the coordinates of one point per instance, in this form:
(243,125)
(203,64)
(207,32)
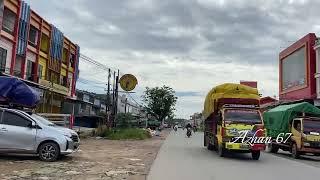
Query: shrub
(102,131)
(127,134)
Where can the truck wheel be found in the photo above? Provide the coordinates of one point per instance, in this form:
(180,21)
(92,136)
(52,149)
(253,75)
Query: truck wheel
(205,143)
(221,151)
(255,155)
(209,145)
(49,152)
(294,151)
(274,148)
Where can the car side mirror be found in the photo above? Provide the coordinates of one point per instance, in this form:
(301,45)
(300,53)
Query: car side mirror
(32,125)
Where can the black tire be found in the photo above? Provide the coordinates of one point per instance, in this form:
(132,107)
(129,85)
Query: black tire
(221,151)
(294,151)
(274,148)
(209,145)
(49,152)
(205,139)
(255,155)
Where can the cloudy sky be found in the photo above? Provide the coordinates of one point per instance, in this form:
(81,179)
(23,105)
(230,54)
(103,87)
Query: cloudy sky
(190,45)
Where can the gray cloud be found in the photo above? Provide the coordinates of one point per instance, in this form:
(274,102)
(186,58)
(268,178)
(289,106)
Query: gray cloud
(188,44)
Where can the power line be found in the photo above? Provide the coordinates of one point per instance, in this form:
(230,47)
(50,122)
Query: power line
(93,81)
(133,99)
(86,83)
(98,64)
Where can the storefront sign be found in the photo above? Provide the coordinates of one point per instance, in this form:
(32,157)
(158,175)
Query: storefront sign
(128,82)
(54,87)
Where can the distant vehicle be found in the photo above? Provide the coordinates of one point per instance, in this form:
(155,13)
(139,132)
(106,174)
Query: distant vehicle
(23,133)
(297,129)
(231,109)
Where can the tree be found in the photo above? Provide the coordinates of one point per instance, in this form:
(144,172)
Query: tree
(160,102)
(124,120)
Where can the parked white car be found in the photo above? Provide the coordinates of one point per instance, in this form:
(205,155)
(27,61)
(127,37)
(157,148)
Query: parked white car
(25,133)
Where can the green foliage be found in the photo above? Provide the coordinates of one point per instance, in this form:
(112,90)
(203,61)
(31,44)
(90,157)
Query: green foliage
(124,120)
(131,133)
(160,102)
(121,134)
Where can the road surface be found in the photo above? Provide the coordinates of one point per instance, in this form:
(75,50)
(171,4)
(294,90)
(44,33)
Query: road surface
(184,158)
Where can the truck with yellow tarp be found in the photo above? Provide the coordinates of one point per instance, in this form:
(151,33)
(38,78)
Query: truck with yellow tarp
(232,120)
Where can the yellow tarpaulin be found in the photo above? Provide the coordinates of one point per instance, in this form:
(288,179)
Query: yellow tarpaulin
(228,90)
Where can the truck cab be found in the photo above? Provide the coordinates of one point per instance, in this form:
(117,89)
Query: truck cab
(232,115)
(305,136)
(231,128)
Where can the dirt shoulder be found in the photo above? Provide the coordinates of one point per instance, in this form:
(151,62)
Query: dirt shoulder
(96,159)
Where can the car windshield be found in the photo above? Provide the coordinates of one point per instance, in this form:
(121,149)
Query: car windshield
(43,120)
(243,116)
(311,126)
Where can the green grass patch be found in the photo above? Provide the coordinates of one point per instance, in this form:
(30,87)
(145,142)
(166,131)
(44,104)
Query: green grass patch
(122,134)
(136,134)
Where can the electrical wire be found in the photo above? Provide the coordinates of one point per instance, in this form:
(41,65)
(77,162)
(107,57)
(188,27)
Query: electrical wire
(133,99)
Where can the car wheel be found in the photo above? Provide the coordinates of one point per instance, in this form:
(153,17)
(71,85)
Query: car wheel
(294,151)
(49,152)
(255,155)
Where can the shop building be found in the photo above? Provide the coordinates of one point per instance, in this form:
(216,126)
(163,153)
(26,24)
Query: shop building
(297,71)
(37,52)
(253,84)
(317,74)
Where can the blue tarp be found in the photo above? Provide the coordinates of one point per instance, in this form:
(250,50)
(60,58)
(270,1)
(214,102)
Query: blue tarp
(15,91)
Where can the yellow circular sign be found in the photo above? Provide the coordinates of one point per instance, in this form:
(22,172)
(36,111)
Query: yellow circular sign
(128,82)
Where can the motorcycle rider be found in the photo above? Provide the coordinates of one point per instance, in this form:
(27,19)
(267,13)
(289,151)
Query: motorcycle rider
(188,127)
(175,127)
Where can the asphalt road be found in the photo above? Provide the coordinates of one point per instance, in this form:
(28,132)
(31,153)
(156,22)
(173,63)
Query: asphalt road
(184,158)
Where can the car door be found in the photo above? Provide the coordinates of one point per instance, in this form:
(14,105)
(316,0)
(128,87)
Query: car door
(296,132)
(17,134)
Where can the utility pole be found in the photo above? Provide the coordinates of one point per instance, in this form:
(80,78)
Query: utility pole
(117,92)
(116,98)
(113,97)
(108,99)
(125,105)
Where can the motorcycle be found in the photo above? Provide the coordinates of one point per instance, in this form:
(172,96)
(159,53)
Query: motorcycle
(188,132)
(175,129)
